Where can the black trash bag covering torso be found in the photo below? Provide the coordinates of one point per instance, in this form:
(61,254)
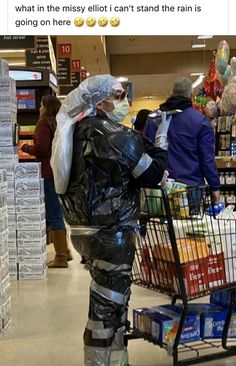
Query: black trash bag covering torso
(102,191)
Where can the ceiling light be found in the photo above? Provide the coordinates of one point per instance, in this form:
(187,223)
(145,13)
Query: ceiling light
(12,51)
(197,74)
(122,79)
(87,74)
(204,37)
(198,81)
(149,97)
(16,63)
(199,45)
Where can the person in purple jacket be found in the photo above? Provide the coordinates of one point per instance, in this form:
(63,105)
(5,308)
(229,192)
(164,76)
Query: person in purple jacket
(191,140)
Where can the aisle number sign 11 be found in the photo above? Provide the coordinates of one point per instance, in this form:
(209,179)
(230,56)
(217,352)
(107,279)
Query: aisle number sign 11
(76,65)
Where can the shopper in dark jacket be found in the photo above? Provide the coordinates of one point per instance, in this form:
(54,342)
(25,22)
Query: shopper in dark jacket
(110,162)
(44,134)
(191,141)
(140,120)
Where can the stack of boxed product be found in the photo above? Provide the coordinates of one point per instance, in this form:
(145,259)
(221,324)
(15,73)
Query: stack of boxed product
(203,321)
(30,221)
(160,324)
(5,299)
(25,194)
(8,153)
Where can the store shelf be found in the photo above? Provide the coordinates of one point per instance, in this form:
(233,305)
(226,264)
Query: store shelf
(23,111)
(226,163)
(26,137)
(228,187)
(33,160)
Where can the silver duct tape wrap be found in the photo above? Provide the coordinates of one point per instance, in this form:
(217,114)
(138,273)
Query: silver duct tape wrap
(124,316)
(96,356)
(103,334)
(119,358)
(142,165)
(83,230)
(98,330)
(109,266)
(161,141)
(109,294)
(118,342)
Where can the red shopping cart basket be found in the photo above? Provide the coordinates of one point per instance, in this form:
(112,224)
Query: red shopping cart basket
(182,251)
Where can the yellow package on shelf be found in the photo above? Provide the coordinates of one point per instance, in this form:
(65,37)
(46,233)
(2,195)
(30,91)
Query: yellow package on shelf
(188,249)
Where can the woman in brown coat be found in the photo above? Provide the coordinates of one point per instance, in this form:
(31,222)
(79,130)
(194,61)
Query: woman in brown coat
(42,147)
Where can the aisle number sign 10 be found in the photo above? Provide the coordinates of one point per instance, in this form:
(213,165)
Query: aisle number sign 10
(64,50)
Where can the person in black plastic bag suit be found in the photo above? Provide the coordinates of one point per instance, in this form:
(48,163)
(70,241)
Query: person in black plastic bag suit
(99,175)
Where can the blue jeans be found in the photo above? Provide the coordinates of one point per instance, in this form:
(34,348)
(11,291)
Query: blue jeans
(54,213)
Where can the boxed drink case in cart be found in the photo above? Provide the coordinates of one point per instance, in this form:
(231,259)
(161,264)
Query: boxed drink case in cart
(185,251)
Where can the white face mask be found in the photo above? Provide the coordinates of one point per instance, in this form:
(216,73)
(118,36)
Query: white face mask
(120,111)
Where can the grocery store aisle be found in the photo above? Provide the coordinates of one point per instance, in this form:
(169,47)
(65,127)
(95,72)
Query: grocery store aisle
(49,318)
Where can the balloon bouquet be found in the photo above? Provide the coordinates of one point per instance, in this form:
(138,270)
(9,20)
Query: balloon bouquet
(221,83)
(206,100)
(227,103)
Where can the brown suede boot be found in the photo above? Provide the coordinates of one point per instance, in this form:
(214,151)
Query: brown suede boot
(69,255)
(60,245)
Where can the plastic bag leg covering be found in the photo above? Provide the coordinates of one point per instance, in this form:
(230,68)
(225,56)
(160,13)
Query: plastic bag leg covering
(105,315)
(96,356)
(119,358)
(108,303)
(119,353)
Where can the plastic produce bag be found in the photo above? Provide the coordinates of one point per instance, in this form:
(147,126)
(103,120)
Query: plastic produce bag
(62,148)
(152,201)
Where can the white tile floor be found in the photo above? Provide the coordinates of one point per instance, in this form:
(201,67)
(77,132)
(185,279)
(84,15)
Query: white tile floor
(49,318)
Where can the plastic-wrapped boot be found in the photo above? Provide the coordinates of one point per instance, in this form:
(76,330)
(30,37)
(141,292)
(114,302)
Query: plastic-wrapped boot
(96,356)
(119,358)
(119,353)
(60,245)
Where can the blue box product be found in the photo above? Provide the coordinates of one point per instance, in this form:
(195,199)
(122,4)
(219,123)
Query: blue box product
(161,322)
(212,318)
(145,322)
(212,324)
(191,326)
(26,98)
(220,298)
(26,104)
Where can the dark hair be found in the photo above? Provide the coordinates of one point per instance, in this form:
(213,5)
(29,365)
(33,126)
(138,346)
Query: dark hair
(141,119)
(52,105)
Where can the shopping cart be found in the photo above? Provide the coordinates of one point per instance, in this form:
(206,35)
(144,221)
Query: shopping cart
(186,254)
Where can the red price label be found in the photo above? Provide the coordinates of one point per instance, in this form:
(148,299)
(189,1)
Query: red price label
(64,50)
(75,65)
(83,74)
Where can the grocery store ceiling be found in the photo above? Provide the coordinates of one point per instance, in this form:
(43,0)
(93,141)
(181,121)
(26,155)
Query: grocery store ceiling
(152,63)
